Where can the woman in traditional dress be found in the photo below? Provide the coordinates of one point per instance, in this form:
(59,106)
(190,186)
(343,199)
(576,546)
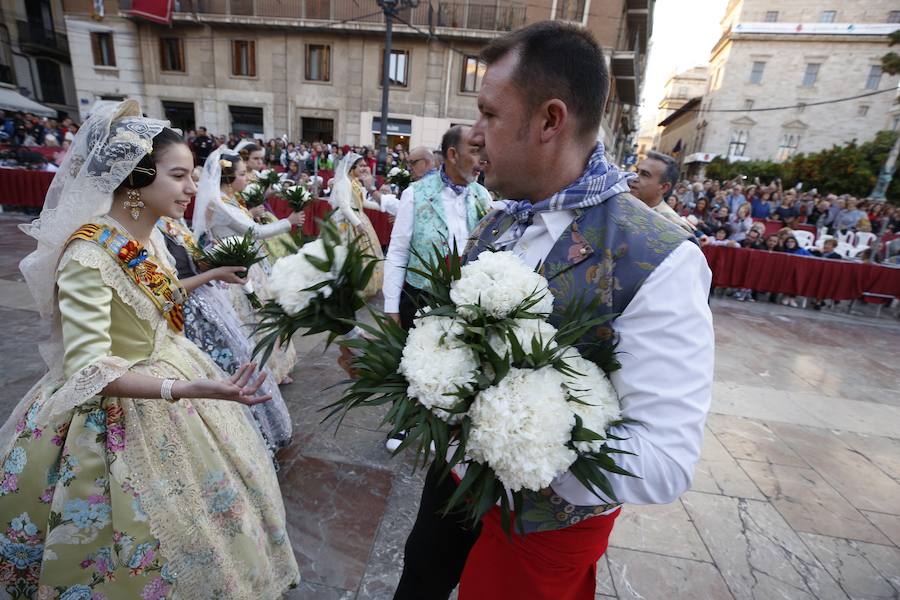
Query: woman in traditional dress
(220,213)
(279,245)
(211,322)
(132,469)
(348,196)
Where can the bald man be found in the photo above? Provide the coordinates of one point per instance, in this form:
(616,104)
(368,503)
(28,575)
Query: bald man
(420,161)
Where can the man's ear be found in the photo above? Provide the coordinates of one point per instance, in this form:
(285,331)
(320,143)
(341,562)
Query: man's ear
(555,116)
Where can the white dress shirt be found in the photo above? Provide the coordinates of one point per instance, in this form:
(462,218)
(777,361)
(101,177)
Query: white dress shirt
(401,236)
(666,349)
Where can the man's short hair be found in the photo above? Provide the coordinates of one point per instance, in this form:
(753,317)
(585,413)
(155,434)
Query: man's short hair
(670,174)
(452,138)
(557,60)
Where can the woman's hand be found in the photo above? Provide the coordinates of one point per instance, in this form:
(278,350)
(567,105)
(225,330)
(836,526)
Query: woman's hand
(258,211)
(229,274)
(297,219)
(240,387)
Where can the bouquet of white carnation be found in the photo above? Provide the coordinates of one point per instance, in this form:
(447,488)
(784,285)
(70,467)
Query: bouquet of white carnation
(235,251)
(317,289)
(399,178)
(297,196)
(253,195)
(267,178)
(492,384)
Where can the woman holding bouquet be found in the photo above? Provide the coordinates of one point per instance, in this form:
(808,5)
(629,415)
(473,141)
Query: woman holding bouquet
(219,213)
(278,245)
(348,196)
(132,468)
(211,322)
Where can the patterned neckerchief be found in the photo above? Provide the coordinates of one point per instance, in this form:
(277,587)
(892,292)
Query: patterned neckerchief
(457,189)
(600,181)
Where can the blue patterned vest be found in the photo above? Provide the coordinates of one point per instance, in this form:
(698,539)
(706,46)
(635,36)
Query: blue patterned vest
(608,251)
(430,222)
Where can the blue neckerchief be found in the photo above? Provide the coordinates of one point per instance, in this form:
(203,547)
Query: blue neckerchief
(457,189)
(600,181)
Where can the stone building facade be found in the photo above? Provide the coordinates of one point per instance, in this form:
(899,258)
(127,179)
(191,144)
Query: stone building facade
(680,88)
(796,54)
(311,69)
(34,58)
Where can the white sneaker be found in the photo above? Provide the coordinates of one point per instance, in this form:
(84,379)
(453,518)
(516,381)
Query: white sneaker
(793,303)
(394,442)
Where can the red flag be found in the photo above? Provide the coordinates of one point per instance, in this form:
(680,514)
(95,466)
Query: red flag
(158,11)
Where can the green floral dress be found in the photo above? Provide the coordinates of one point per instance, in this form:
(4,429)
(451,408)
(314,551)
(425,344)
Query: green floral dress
(129,498)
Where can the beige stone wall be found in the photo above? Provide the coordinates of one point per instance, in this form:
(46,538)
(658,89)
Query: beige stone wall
(683,128)
(126,79)
(432,101)
(844,70)
(810,11)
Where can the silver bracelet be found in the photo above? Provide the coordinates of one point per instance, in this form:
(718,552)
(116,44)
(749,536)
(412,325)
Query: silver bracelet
(165,390)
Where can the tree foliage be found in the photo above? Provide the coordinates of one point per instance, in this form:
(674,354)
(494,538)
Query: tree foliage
(850,169)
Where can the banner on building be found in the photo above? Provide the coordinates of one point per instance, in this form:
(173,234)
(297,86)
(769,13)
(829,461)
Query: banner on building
(158,11)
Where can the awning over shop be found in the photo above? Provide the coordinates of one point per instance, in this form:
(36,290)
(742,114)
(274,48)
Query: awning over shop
(13,100)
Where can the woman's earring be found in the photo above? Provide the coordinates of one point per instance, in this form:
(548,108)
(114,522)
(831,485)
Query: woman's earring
(134,203)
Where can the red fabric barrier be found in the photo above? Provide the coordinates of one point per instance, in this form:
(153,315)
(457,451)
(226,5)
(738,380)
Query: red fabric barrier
(21,187)
(320,210)
(808,276)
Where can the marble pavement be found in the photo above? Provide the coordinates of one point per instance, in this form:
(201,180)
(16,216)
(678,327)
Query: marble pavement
(797,494)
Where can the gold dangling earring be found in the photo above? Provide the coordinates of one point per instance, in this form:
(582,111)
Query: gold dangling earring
(134,203)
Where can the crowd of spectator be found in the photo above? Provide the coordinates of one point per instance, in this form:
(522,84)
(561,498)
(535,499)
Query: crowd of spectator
(732,206)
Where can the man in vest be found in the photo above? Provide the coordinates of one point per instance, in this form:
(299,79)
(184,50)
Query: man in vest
(541,102)
(440,209)
(656,175)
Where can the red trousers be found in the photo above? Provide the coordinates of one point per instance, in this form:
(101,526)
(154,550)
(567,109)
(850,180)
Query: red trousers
(547,565)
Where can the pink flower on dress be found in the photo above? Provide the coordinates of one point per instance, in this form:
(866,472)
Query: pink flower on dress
(98,499)
(10,483)
(47,495)
(115,438)
(155,590)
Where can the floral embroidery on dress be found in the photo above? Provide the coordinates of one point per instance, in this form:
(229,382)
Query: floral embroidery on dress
(12,467)
(223,503)
(21,545)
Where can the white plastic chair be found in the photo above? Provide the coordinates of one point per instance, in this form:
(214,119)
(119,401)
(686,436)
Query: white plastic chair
(864,238)
(845,237)
(843,249)
(804,238)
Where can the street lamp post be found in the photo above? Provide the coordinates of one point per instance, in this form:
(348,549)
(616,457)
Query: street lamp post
(390,8)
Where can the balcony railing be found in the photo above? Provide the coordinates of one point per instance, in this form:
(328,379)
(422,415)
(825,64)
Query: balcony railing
(34,37)
(459,15)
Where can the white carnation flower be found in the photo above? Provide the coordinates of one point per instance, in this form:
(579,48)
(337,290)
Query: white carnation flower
(436,363)
(520,428)
(393,172)
(525,330)
(291,275)
(499,282)
(593,388)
